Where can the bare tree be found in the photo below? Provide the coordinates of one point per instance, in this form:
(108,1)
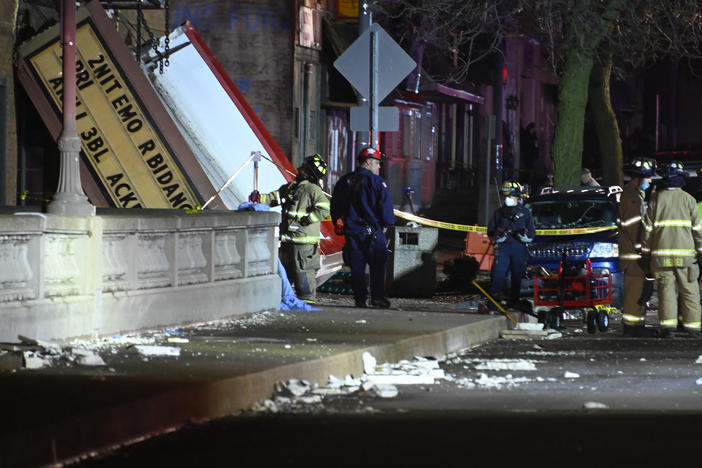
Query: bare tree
(584,39)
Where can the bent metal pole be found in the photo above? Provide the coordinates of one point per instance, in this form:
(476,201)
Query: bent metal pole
(69,198)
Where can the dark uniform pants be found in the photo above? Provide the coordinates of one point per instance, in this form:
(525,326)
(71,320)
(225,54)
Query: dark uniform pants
(360,250)
(511,257)
(301,262)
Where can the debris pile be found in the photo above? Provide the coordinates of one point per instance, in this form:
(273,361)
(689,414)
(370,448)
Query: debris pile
(29,353)
(377,381)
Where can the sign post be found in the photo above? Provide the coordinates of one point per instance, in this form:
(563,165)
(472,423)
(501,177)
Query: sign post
(375,47)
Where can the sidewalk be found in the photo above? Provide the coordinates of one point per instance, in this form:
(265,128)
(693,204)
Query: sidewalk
(65,409)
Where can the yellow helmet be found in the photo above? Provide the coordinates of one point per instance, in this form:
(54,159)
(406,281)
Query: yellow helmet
(511,188)
(317,165)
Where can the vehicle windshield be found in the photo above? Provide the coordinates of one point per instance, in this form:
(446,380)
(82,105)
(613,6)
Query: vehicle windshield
(554,214)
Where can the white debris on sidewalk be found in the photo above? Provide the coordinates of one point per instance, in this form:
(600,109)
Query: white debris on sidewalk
(571,375)
(33,361)
(369,363)
(529,326)
(292,387)
(506,364)
(85,357)
(595,405)
(155,350)
(699,360)
(527,331)
(379,381)
(399,379)
(378,390)
(495,382)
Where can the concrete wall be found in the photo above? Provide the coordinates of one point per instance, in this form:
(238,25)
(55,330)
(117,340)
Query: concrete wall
(63,277)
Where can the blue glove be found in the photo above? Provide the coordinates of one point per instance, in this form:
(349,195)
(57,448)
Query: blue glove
(500,239)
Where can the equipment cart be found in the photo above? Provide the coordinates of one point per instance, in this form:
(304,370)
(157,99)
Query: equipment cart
(575,287)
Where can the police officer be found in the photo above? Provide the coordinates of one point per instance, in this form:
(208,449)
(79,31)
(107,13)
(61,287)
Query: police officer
(510,228)
(361,199)
(304,206)
(632,207)
(672,246)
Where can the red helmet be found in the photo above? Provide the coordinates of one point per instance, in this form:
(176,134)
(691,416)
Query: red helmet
(370,153)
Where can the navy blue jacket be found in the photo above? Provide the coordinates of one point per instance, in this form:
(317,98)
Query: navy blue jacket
(363,200)
(511,220)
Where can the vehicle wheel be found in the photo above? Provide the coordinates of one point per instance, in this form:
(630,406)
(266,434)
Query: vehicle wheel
(603,321)
(592,321)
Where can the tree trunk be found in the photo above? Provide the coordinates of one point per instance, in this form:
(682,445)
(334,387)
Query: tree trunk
(605,121)
(568,138)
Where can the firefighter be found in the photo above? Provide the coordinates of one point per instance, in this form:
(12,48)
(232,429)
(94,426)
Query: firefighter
(510,228)
(304,206)
(361,200)
(632,207)
(672,246)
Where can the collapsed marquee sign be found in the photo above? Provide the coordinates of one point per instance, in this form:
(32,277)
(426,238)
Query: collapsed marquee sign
(152,140)
(132,152)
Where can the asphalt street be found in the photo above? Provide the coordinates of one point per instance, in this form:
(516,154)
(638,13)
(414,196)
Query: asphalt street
(576,400)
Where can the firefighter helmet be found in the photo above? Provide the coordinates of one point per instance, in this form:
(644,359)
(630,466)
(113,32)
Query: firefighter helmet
(641,167)
(317,165)
(673,169)
(511,188)
(370,153)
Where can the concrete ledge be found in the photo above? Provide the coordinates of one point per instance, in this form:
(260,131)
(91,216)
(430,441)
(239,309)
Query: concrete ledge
(114,313)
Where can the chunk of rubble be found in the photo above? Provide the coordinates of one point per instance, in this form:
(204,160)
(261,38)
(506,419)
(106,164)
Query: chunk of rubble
(369,363)
(526,331)
(529,326)
(507,364)
(49,347)
(571,375)
(90,360)
(292,387)
(31,360)
(155,350)
(337,386)
(399,379)
(378,390)
(594,405)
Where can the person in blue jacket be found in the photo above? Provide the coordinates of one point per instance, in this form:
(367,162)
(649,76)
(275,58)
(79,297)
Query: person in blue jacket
(361,201)
(510,228)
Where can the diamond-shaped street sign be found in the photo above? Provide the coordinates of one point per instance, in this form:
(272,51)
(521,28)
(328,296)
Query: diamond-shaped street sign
(394,64)
(388,119)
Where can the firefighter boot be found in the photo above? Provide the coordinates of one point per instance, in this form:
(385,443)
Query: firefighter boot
(380,303)
(666,332)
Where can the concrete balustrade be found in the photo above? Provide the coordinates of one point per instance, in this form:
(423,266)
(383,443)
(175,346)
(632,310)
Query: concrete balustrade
(120,271)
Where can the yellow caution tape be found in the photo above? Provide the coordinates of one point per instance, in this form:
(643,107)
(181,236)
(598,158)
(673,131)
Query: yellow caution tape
(469,228)
(27,196)
(571,232)
(439,224)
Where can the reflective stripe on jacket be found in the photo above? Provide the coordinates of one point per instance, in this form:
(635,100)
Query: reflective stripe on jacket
(672,232)
(299,200)
(631,211)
